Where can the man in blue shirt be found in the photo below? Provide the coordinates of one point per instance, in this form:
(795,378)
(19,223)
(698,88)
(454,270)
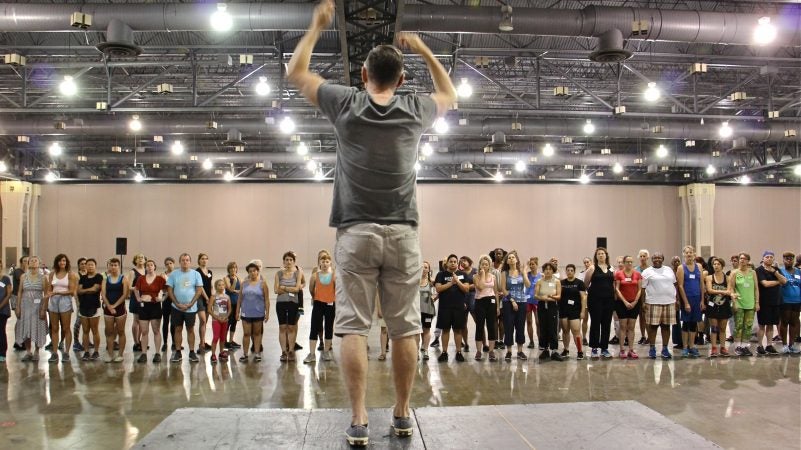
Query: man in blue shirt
(184,287)
(791,306)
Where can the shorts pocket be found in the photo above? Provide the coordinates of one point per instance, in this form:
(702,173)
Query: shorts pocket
(354,251)
(408,249)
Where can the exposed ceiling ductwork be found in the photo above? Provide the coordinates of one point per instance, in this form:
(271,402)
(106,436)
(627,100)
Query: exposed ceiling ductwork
(119,41)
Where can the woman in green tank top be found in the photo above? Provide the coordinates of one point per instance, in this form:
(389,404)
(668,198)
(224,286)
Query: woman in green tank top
(746,302)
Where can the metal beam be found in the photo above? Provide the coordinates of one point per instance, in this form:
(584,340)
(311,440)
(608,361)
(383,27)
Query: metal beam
(667,95)
(75,76)
(229,85)
(6,98)
(342,28)
(499,84)
(143,86)
(758,169)
(748,79)
(578,84)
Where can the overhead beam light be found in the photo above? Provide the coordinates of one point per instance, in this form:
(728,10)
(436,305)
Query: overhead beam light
(584,178)
(765,32)
(207,164)
(441,126)
(505,24)
(228,176)
(547,150)
(589,128)
(427,150)
(3,166)
(318,175)
(135,124)
(50,177)
(68,87)
(139,177)
(221,20)
(661,152)
(797,170)
(520,166)
(302,149)
(652,92)
(745,179)
(464,90)
(498,176)
(287,125)
(262,88)
(617,168)
(311,166)
(177,148)
(725,130)
(711,170)
(417,167)
(55,149)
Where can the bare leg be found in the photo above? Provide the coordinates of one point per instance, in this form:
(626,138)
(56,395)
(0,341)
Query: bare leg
(564,323)
(119,323)
(403,369)
(282,337)
(246,327)
(155,325)
(110,333)
(353,357)
(445,338)
(66,323)
(143,329)
(201,330)
(177,337)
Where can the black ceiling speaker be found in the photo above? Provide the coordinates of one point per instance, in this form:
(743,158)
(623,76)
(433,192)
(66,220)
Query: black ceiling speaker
(498,141)
(610,48)
(234,138)
(119,41)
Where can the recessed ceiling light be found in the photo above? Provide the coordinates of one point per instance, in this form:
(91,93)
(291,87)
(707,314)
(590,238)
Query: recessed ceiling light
(287,125)
(464,90)
(220,19)
(177,148)
(68,87)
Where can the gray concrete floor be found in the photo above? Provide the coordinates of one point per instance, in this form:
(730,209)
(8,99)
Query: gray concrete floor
(735,403)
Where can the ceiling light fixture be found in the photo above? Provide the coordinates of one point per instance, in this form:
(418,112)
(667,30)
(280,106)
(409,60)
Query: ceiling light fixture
(745,179)
(427,150)
(589,128)
(221,20)
(765,32)
(139,177)
(318,175)
(505,24)
(55,149)
(710,170)
(135,124)
(617,168)
(417,166)
(262,88)
(498,176)
(520,166)
(725,130)
(177,148)
(441,126)
(68,87)
(661,151)
(548,150)
(464,90)
(302,149)
(797,170)
(3,166)
(584,178)
(207,164)
(652,92)
(50,177)
(287,125)
(228,176)
(311,166)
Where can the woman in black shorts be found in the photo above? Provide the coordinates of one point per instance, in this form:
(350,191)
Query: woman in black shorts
(288,283)
(627,306)
(89,307)
(114,291)
(572,310)
(718,306)
(202,303)
(148,293)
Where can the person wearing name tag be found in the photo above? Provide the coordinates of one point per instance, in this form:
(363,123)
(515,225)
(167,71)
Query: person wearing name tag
(745,302)
(548,291)
(514,283)
(219,309)
(15,277)
(769,282)
(61,288)
(791,305)
(114,292)
(627,306)
(532,318)
(148,294)
(718,306)
(32,310)
(452,285)
(486,308)
(134,306)
(691,291)
(643,256)
(287,285)
(427,307)
(600,281)
(572,309)
(184,288)
(323,290)
(585,321)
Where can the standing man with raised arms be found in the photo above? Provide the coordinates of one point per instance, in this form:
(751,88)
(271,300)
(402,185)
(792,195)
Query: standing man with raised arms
(374,207)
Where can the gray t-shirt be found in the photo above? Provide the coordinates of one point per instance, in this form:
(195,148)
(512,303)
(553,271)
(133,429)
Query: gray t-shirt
(375,178)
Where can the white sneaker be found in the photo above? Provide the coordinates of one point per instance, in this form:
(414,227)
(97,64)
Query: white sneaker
(328,355)
(310,358)
(794,350)
(785,350)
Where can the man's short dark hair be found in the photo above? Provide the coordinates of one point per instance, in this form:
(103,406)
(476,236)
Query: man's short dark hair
(451,256)
(384,65)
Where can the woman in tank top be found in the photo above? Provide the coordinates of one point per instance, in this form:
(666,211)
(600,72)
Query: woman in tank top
(114,291)
(287,285)
(600,302)
(486,307)
(32,310)
(61,288)
(323,291)
(233,289)
(548,291)
(690,279)
(166,307)
(427,308)
(134,306)
(202,303)
(148,292)
(253,310)
(514,283)
(718,306)
(745,302)
(89,308)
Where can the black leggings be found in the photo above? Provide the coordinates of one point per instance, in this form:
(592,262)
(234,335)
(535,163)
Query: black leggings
(514,322)
(232,320)
(600,322)
(320,311)
(548,314)
(166,312)
(3,337)
(486,313)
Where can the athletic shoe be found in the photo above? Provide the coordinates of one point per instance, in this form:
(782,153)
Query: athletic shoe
(193,357)
(522,356)
(723,352)
(478,355)
(771,351)
(157,358)
(713,353)
(738,351)
(492,357)
(224,356)
(642,341)
(95,356)
(213,358)
(77,347)
(545,355)
(257,357)
(584,342)
(142,358)
(605,354)
(532,345)
(243,359)
(633,355)
(555,356)
(206,347)
(459,357)
(794,350)
(594,354)
(65,356)
(777,338)
(508,357)
(137,347)
(785,350)
(116,346)
(200,350)
(622,354)
(485,348)
(798,340)
(579,356)
(443,357)
(86,356)
(310,358)
(565,353)
(2,359)
(403,426)
(730,339)
(298,346)
(666,353)
(435,343)
(685,353)
(761,351)
(18,348)
(53,358)
(747,351)
(328,355)
(465,348)
(694,353)
(652,353)
(164,348)
(614,341)
(109,359)
(500,345)
(49,346)
(677,347)
(425,355)
(118,358)
(357,435)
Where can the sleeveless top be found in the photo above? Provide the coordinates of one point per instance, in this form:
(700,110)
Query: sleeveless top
(547,287)
(719,299)
(426,304)
(489,290)
(744,285)
(602,287)
(206,281)
(60,284)
(252,300)
(234,296)
(515,286)
(132,296)
(692,288)
(114,289)
(33,288)
(324,288)
(287,282)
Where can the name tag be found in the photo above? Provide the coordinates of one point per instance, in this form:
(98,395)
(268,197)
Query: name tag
(460,277)
(796,276)
(628,279)
(2,285)
(515,282)
(746,285)
(428,320)
(36,301)
(492,301)
(551,284)
(291,294)
(186,284)
(692,276)
(571,302)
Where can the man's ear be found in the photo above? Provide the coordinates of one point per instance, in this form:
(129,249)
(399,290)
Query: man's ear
(364,75)
(401,79)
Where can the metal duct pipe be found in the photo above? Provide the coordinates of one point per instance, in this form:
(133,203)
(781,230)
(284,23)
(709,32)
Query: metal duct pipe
(437,159)
(592,21)
(157,16)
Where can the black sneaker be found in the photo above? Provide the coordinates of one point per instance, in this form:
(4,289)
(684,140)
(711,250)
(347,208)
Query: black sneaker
(565,353)
(485,348)
(626,342)
(614,341)
(545,355)
(116,346)
(172,347)
(206,347)
(500,345)
(521,356)
(48,347)
(137,347)
(465,348)
(176,357)
(435,343)
(53,358)
(746,351)
(193,357)
(798,340)
(459,357)
(235,345)
(761,351)
(142,358)
(201,350)
(443,357)
(532,345)
(86,356)
(157,358)
(555,356)
(776,339)
(508,356)
(164,348)
(95,356)
(584,342)
(730,339)
(298,346)
(320,347)
(678,347)
(771,351)
(579,356)
(642,341)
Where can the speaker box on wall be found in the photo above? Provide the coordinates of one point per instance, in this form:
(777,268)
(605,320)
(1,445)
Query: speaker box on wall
(601,242)
(122,246)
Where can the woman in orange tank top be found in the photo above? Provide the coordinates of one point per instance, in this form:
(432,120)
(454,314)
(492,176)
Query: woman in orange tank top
(323,290)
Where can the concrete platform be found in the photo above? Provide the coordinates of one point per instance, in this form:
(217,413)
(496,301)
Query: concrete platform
(604,425)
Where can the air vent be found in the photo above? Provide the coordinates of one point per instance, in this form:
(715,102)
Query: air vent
(610,48)
(15,59)
(561,91)
(498,141)
(164,89)
(81,20)
(234,138)
(119,41)
(466,167)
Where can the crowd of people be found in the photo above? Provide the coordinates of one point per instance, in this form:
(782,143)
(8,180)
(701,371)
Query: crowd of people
(691,301)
